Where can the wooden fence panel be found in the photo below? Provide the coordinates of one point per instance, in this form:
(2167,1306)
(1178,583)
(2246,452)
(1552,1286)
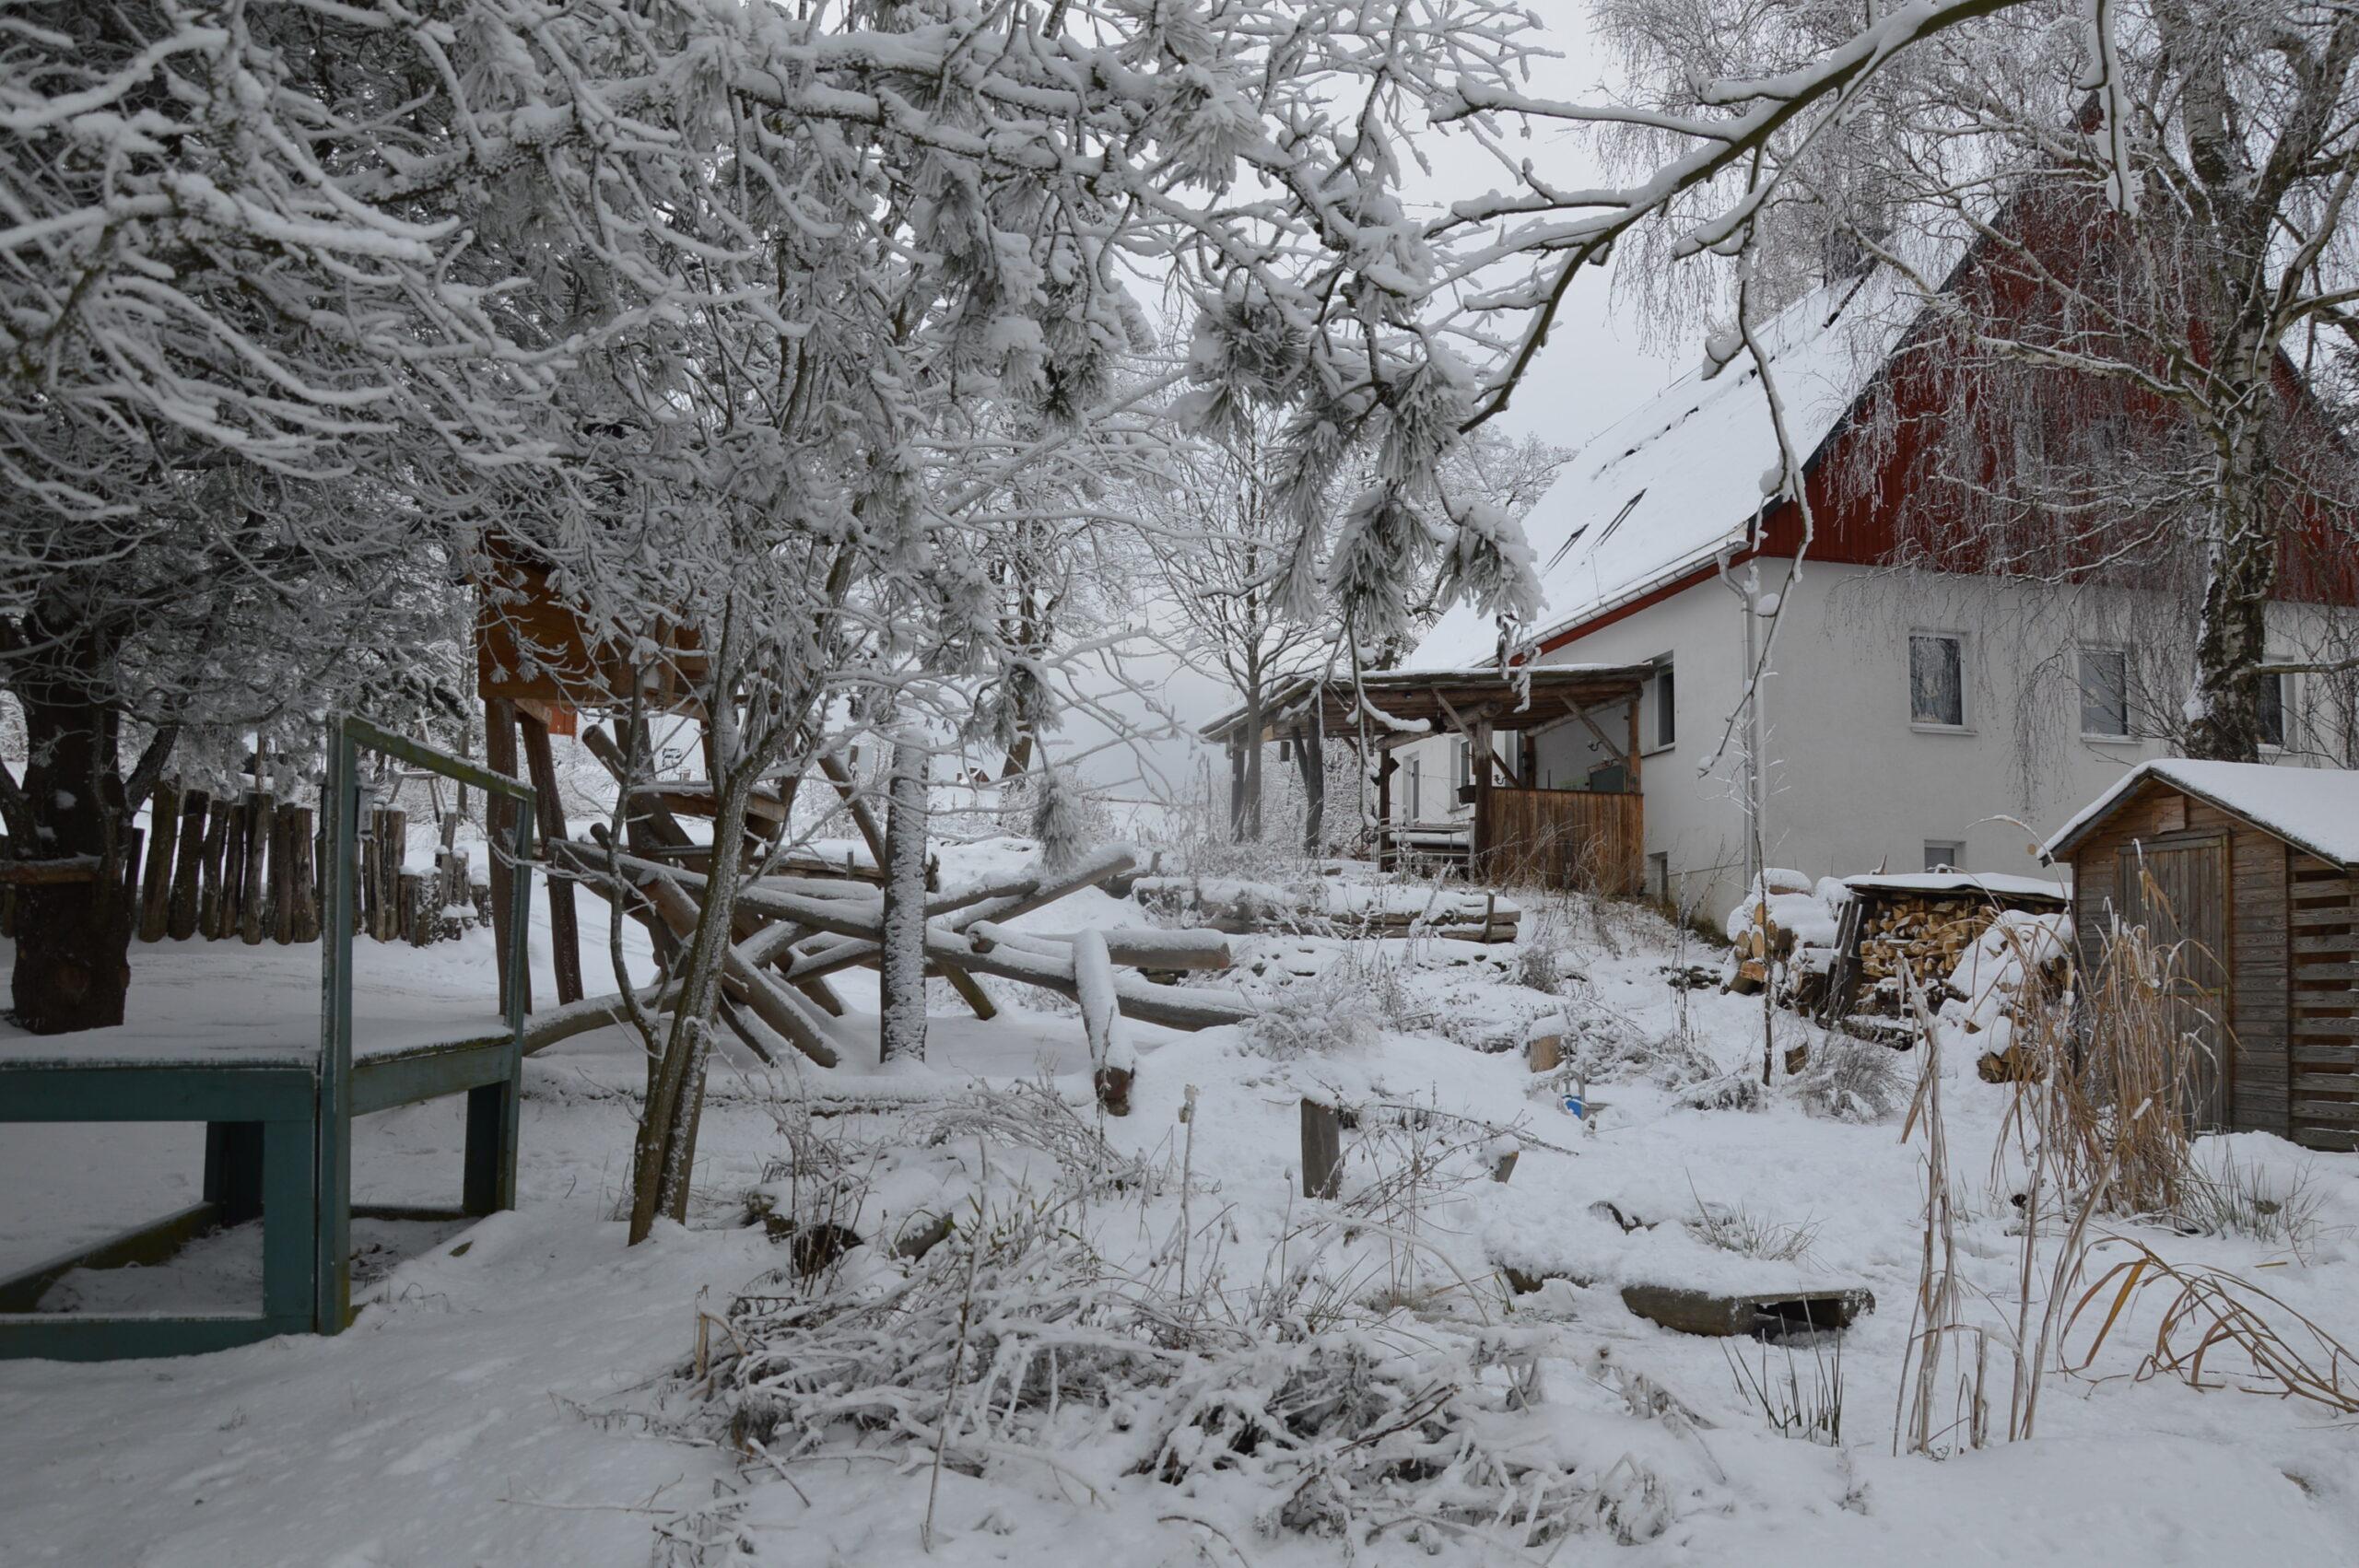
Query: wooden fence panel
(1565,838)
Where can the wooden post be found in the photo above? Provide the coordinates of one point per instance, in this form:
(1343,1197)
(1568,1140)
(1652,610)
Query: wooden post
(281,867)
(253,902)
(417,913)
(1478,860)
(180,920)
(565,939)
(1322,1149)
(301,875)
(1311,752)
(900,969)
(163,836)
(393,845)
(500,819)
(1386,765)
(229,873)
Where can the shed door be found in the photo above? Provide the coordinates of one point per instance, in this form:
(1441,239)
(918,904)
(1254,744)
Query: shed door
(2178,891)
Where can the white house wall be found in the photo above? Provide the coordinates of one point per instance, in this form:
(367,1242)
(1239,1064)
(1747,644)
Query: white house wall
(1852,785)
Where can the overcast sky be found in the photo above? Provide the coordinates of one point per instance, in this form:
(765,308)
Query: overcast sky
(1594,369)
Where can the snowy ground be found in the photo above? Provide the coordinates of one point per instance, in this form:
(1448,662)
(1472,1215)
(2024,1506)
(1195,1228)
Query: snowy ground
(510,1395)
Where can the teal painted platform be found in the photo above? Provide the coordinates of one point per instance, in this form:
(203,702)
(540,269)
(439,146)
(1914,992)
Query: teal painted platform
(278,1098)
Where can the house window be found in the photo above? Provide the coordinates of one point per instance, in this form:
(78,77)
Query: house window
(1937,680)
(1944,855)
(2270,701)
(1466,762)
(1659,874)
(1661,699)
(2105,692)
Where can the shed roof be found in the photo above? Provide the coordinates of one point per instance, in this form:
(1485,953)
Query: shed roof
(1406,704)
(1678,480)
(2315,809)
(1992,884)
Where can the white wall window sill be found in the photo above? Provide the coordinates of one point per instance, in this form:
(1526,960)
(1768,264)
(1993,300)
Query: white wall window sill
(1940,729)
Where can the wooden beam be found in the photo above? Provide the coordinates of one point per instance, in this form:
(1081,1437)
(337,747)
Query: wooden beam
(1611,750)
(565,935)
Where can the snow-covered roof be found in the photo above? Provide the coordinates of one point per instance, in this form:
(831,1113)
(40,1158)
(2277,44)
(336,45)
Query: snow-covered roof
(1994,884)
(2315,809)
(1679,479)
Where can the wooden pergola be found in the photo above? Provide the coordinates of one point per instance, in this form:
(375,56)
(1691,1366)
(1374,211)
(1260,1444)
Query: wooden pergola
(1391,708)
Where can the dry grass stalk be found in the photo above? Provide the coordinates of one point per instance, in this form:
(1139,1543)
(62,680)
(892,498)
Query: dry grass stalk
(1938,1312)
(2216,1316)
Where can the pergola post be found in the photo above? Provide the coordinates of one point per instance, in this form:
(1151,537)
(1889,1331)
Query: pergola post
(1478,861)
(1310,754)
(1385,764)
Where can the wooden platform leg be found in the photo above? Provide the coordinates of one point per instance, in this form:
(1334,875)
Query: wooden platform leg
(565,940)
(499,814)
(490,1180)
(233,1169)
(291,1231)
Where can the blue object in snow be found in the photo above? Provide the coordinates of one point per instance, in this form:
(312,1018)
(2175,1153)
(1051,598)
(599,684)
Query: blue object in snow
(1574,1108)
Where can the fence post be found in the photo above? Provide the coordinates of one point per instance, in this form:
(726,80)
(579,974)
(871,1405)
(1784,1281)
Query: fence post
(1322,1149)
(180,918)
(253,908)
(163,838)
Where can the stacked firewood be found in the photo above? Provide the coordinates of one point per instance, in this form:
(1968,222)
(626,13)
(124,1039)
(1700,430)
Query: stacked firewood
(1925,933)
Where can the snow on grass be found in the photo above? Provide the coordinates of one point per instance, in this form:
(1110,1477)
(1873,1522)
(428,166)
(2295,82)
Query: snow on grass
(527,1390)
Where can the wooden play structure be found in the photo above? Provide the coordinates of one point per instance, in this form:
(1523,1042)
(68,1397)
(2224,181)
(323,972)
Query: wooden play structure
(278,1102)
(799,917)
(1591,837)
(2250,870)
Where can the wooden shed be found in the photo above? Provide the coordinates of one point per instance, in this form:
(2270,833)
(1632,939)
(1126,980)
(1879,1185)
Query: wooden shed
(2253,867)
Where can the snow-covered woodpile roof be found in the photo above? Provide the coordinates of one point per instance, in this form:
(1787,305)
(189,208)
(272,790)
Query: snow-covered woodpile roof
(1679,479)
(1996,886)
(2316,809)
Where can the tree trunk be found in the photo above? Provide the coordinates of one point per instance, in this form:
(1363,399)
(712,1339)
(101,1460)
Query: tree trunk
(2232,637)
(73,965)
(900,967)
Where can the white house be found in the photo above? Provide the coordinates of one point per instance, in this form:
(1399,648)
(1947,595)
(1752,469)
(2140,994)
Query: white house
(1909,718)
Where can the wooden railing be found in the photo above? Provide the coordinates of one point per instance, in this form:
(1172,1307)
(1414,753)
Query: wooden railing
(1564,838)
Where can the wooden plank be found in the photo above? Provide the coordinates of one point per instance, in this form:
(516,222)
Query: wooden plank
(2320,1028)
(381,1083)
(2328,1112)
(2326,971)
(2311,889)
(154,1242)
(2340,1139)
(54,1335)
(64,1090)
(2332,915)
(500,813)
(2341,942)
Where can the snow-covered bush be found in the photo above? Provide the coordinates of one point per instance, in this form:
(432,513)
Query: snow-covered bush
(1852,1080)
(1342,1007)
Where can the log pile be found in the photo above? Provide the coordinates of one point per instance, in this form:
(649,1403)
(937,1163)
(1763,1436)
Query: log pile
(790,934)
(1333,908)
(1925,933)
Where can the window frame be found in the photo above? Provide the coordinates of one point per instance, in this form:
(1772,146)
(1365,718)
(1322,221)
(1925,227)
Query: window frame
(2284,682)
(2081,651)
(1964,726)
(1957,853)
(1650,736)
